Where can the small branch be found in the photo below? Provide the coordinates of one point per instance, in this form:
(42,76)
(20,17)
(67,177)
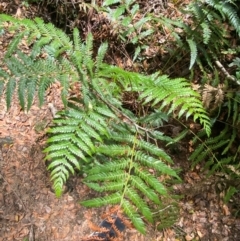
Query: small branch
(124,115)
(230,77)
(169,206)
(52,109)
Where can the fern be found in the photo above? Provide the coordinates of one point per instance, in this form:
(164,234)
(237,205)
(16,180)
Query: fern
(217,151)
(124,21)
(227,10)
(130,177)
(193,49)
(202,37)
(94,134)
(161,93)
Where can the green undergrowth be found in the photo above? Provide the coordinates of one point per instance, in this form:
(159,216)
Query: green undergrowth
(120,153)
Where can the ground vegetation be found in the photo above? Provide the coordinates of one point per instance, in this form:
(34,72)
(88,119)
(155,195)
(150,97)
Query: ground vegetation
(138,83)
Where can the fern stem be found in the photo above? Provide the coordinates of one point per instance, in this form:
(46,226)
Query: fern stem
(129,170)
(115,109)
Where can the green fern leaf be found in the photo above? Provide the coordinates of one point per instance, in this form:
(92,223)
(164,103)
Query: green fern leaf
(134,216)
(232,15)
(110,186)
(10,90)
(149,179)
(58,164)
(39,45)
(197,152)
(160,136)
(81,145)
(62,129)
(86,139)
(31,88)
(139,184)
(91,132)
(206,32)
(114,150)
(152,162)
(98,202)
(65,84)
(76,151)
(22,91)
(14,44)
(77,41)
(55,154)
(110,2)
(154,150)
(110,166)
(117,175)
(58,146)
(176,93)
(105,111)
(140,204)
(61,137)
(88,61)
(58,184)
(193,48)
(100,55)
(73,160)
(155,119)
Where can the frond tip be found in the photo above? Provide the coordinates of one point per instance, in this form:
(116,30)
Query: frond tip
(176,96)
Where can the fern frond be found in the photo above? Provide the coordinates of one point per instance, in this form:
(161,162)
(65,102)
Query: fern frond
(178,94)
(114,150)
(155,119)
(14,44)
(100,55)
(110,166)
(110,186)
(134,216)
(110,2)
(193,49)
(118,174)
(98,202)
(11,85)
(88,61)
(95,132)
(149,179)
(60,172)
(130,177)
(206,148)
(206,32)
(155,163)
(198,154)
(74,136)
(232,15)
(226,10)
(139,203)
(141,186)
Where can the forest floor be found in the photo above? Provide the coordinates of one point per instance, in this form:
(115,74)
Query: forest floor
(29,210)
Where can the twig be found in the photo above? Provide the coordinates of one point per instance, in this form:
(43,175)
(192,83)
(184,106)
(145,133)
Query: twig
(124,115)
(169,206)
(230,77)
(52,109)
